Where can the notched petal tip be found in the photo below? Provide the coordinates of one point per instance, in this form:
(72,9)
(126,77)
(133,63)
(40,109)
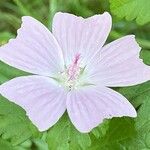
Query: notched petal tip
(40,126)
(105,14)
(85,131)
(64,15)
(134,114)
(135,41)
(27,19)
(23,20)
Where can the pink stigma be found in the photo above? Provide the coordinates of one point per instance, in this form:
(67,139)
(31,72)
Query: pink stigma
(77,57)
(73,69)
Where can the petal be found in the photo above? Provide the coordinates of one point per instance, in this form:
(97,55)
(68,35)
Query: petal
(119,64)
(34,50)
(43,100)
(77,35)
(89,106)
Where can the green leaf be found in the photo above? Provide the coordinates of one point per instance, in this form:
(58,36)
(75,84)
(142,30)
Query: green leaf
(4,145)
(136,94)
(4,37)
(101,130)
(132,9)
(145,55)
(7,72)
(63,136)
(40,144)
(14,124)
(142,124)
(119,130)
(124,134)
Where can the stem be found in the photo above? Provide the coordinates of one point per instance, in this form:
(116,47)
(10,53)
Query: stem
(22,8)
(52,11)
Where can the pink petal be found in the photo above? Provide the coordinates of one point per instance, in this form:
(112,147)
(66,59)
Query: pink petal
(87,107)
(34,50)
(77,35)
(43,100)
(119,64)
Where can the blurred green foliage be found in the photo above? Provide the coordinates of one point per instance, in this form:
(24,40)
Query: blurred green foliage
(120,131)
(132,9)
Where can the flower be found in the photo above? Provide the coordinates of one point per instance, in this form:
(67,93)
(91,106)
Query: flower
(72,71)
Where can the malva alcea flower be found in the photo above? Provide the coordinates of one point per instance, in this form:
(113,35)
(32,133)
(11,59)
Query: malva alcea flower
(72,70)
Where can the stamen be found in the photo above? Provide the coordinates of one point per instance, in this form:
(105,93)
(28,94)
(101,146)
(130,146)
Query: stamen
(77,57)
(73,69)
(70,77)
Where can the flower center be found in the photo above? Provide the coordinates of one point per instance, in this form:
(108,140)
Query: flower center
(70,78)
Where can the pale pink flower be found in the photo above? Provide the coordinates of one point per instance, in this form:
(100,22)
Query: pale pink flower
(72,71)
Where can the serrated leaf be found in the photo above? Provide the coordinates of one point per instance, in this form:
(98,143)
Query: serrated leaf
(4,145)
(40,144)
(63,136)
(145,55)
(132,9)
(142,124)
(119,129)
(136,94)
(14,124)
(101,130)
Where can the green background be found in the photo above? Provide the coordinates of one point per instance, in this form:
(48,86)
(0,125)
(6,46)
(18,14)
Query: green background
(16,130)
